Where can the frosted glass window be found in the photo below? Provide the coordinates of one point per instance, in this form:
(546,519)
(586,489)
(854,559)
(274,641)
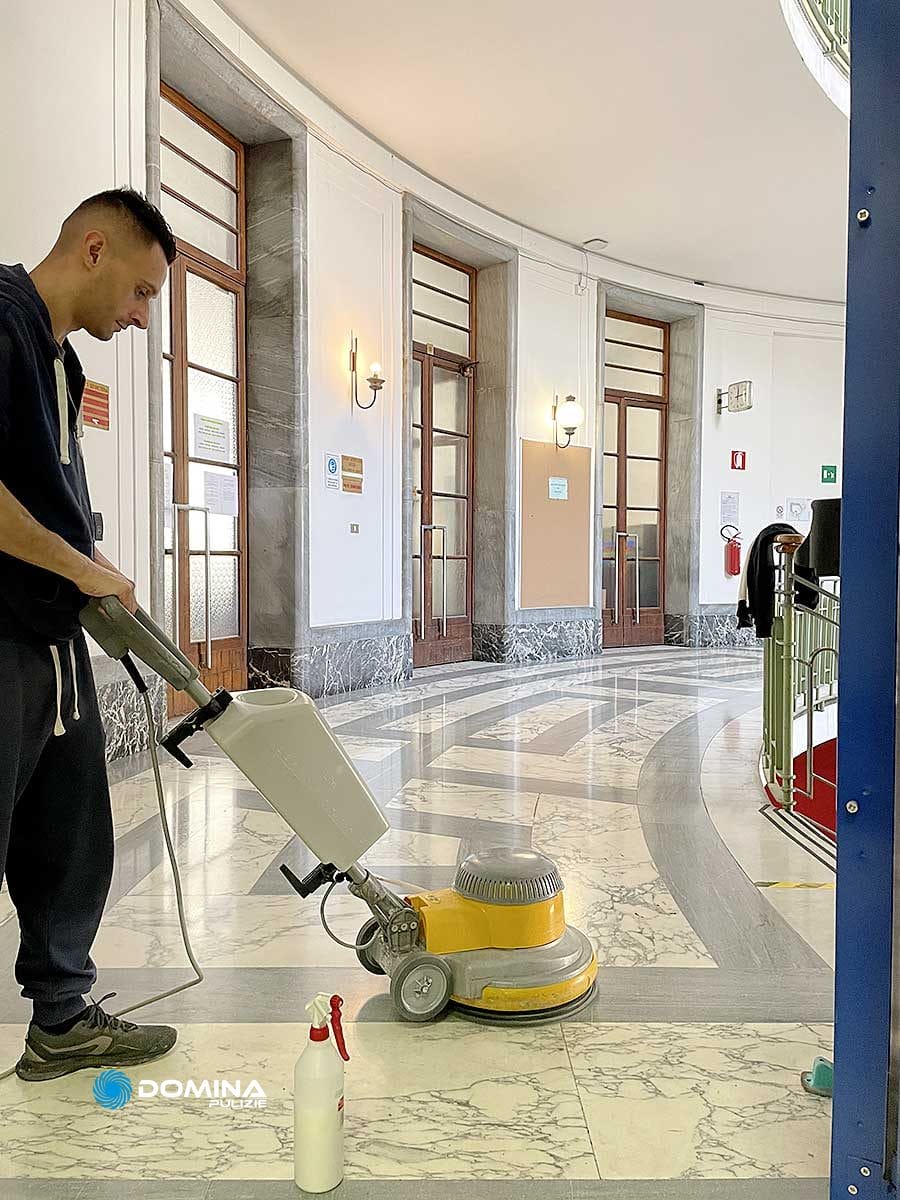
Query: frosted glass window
(222,528)
(646,526)
(634,331)
(417,458)
(642,431)
(211,325)
(450,401)
(456,588)
(168,588)
(417,522)
(449,464)
(633,381)
(168,497)
(416,392)
(165,316)
(224,608)
(451,279)
(453,514)
(177,127)
(642,483)
(210,396)
(610,479)
(436,304)
(444,337)
(167,404)
(200,231)
(628,356)
(182,176)
(610,427)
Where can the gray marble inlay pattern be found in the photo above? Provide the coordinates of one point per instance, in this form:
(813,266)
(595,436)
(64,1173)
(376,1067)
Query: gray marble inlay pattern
(538,643)
(124,716)
(333,667)
(707,630)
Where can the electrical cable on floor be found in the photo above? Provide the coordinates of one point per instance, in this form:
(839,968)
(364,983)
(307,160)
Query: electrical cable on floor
(179,897)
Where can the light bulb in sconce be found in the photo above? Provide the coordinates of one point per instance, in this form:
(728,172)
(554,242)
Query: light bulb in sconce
(569,415)
(375,370)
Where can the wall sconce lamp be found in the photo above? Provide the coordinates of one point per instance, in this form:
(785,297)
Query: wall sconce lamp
(737,397)
(375,379)
(569,415)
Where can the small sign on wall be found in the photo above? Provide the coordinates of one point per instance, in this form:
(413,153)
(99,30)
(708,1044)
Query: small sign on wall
(559,487)
(95,404)
(829,474)
(332,472)
(739,460)
(352,483)
(798,508)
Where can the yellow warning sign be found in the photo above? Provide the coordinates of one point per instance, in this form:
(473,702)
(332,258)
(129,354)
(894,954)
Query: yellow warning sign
(352,483)
(351,465)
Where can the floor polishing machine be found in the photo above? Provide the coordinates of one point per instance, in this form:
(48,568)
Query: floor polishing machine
(495,944)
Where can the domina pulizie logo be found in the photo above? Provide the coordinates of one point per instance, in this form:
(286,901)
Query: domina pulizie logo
(113,1089)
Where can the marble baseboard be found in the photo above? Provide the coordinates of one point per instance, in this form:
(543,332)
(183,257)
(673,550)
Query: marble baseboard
(124,717)
(334,667)
(705,630)
(536,643)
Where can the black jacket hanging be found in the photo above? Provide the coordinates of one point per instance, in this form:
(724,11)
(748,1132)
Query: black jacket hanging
(759,607)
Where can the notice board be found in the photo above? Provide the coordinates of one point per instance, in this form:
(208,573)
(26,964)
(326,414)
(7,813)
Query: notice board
(555,531)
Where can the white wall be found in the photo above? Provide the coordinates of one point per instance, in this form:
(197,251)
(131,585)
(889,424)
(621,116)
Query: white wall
(556,355)
(72,95)
(355,248)
(793,429)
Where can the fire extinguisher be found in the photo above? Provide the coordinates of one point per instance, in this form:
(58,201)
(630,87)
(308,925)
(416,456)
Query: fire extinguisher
(731,536)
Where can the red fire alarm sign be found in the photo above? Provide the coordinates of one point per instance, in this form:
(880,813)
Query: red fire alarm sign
(739,460)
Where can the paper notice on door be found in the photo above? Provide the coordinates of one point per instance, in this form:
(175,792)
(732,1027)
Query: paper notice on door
(220,494)
(212,438)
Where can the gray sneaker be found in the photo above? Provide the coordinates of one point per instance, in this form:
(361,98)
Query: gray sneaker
(97,1040)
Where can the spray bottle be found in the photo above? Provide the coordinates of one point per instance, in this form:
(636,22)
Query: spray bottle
(319,1100)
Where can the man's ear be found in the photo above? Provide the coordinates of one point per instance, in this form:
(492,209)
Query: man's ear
(92,247)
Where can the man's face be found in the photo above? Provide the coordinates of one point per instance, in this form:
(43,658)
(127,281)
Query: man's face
(124,274)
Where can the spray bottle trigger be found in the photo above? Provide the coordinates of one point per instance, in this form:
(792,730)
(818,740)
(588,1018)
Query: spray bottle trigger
(337,1028)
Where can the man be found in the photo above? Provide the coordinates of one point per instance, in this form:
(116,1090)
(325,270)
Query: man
(56,831)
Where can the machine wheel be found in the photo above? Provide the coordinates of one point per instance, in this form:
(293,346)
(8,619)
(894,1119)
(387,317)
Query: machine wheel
(421,987)
(362,953)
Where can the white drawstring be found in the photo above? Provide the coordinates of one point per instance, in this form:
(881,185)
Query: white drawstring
(62,403)
(76,715)
(58,728)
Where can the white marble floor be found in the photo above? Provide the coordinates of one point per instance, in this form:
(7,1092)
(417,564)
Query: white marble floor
(626,1090)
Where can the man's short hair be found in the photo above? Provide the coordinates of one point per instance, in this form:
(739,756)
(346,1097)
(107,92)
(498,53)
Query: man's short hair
(146,217)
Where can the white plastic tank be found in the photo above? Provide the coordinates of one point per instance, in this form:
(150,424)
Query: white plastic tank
(284,746)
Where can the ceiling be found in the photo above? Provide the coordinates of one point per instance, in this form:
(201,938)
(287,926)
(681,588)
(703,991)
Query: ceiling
(691,136)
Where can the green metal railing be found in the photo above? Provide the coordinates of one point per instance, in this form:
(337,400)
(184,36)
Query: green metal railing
(800,677)
(830,20)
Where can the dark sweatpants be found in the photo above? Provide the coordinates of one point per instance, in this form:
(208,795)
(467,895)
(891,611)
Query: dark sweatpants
(56,832)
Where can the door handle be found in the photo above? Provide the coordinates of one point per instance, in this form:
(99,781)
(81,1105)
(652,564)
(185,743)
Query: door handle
(637,579)
(619,534)
(443,557)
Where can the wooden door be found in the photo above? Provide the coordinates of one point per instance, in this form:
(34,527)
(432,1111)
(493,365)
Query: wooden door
(443,414)
(204,410)
(634,481)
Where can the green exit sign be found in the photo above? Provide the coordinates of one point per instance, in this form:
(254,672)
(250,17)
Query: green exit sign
(829,474)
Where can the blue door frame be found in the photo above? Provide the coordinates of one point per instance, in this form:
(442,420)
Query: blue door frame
(868,640)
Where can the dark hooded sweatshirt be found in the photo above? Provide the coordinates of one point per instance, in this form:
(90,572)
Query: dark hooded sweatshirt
(40,460)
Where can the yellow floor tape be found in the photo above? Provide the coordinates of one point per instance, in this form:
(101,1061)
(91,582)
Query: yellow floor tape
(773,884)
